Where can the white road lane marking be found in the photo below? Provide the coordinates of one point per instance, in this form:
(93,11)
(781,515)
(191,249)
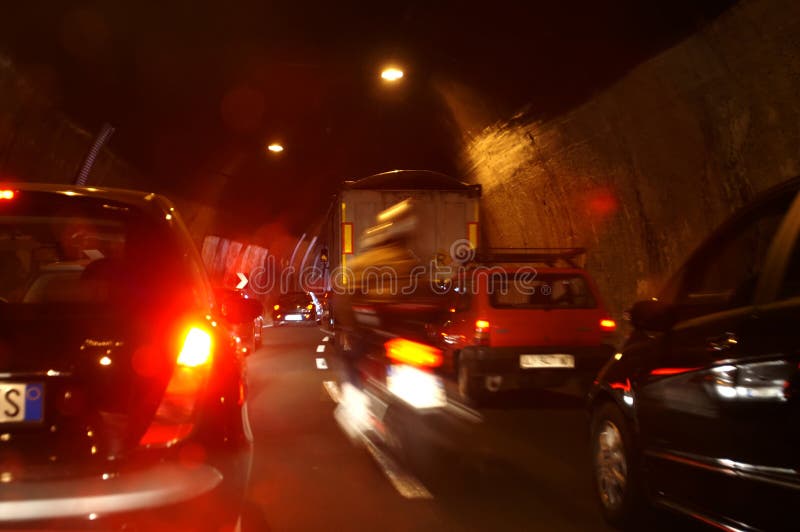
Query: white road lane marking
(405,484)
(333,390)
(326,339)
(320,348)
(322,363)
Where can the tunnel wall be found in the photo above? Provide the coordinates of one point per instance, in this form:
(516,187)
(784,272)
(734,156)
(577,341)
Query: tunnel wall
(40,144)
(643,171)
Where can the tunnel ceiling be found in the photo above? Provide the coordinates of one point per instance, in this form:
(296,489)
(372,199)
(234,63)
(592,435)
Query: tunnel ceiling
(197,89)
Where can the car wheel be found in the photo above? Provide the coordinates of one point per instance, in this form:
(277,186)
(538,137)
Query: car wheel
(468,385)
(616,475)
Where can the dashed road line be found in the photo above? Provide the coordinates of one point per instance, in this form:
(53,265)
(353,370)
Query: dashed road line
(326,339)
(403,482)
(333,390)
(321,348)
(322,363)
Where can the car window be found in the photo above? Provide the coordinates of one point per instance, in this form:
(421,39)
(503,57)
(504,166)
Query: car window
(85,254)
(295,299)
(723,274)
(543,291)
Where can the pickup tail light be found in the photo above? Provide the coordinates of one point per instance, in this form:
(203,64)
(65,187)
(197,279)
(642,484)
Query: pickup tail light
(174,417)
(482,332)
(608,325)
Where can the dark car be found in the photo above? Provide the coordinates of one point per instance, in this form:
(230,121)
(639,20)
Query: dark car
(700,412)
(247,333)
(296,307)
(513,326)
(122,399)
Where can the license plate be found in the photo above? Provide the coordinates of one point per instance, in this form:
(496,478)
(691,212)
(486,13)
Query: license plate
(547,361)
(294,317)
(21,402)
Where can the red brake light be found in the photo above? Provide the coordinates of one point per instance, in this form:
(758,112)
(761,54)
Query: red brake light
(196,350)
(174,418)
(608,325)
(7,194)
(482,332)
(413,353)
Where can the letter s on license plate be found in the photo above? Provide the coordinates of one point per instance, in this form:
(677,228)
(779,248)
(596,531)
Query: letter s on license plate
(21,402)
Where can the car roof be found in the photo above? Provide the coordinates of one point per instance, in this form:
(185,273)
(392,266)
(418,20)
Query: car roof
(143,200)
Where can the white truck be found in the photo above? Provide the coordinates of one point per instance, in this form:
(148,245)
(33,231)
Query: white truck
(446,212)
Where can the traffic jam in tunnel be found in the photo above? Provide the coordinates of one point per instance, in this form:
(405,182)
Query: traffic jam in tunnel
(407,266)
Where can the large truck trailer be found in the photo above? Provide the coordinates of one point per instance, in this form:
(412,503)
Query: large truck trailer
(446,212)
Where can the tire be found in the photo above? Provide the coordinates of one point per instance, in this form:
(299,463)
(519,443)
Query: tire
(615,467)
(469,387)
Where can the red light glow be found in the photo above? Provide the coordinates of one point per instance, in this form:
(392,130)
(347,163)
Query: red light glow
(671,371)
(608,325)
(413,353)
(196,349)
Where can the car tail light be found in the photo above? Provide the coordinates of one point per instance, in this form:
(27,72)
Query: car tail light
(608,325)
(276,307)
(413,353)
(309,306)
(174,418)
(196,350)
(7,194)
(482,332)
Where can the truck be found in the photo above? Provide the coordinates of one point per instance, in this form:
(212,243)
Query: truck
(446,212)
(395,243)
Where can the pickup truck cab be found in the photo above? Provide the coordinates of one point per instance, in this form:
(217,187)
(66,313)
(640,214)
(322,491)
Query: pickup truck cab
(513,326)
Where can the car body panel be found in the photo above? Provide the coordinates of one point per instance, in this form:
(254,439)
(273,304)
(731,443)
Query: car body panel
(714,399)
(103,368)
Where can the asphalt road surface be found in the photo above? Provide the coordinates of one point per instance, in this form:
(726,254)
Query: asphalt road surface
(521,463)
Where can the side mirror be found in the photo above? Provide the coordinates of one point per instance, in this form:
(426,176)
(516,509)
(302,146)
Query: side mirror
(652,315)
(241,310)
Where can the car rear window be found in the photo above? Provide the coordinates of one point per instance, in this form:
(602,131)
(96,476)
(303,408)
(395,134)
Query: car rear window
(301,299)
(56,249)
(556,291)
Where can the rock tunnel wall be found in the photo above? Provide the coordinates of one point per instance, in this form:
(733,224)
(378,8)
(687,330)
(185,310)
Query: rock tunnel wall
(643,171)
(40,144)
